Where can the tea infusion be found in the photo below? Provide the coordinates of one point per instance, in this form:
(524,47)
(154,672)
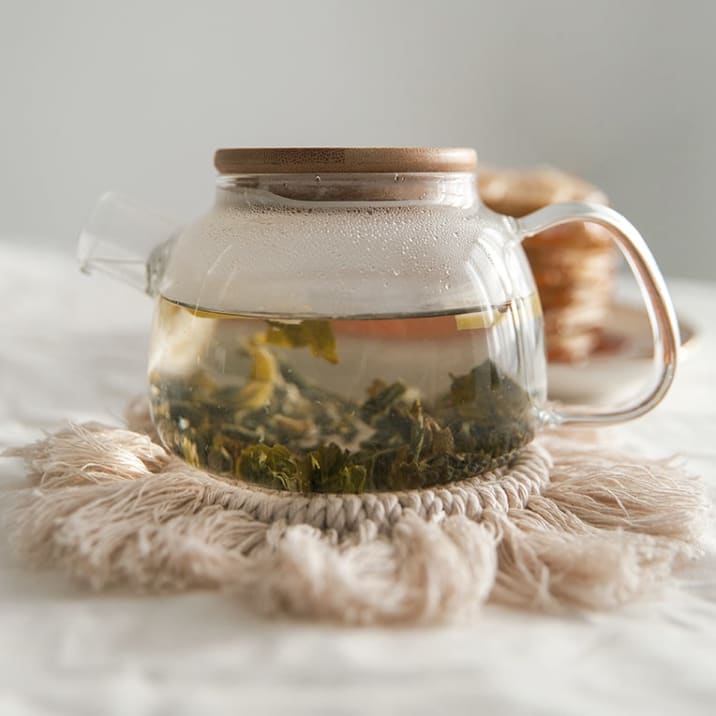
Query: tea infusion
(337,405)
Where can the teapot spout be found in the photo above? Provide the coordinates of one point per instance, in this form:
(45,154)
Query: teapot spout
(127,242)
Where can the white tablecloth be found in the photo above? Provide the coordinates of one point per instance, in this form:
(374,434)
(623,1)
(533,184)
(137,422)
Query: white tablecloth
(74,348)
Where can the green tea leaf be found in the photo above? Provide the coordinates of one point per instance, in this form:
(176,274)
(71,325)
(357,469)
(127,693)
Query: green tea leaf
(190,452)
(284,432)
(218,459)
(272,467)
(329,471)
(317,335)
(380,398)
(264,373)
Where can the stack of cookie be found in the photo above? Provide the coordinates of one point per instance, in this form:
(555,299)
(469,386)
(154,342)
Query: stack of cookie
(574,265)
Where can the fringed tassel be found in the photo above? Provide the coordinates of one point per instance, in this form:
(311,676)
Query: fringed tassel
(605,530)
(424,573)
(112,508)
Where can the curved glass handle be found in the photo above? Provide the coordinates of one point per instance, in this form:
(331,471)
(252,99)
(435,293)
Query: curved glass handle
(659,308)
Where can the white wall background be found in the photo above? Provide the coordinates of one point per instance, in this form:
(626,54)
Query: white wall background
(136,95)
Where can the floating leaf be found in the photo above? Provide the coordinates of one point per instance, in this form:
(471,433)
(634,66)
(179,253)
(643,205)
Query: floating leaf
(264,373)
(317,335)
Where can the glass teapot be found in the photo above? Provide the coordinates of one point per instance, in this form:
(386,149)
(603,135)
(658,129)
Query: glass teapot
(350,320)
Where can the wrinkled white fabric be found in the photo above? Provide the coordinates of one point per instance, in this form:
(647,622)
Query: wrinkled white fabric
(74,348)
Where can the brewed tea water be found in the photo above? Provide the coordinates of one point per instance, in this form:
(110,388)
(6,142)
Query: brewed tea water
(324,404)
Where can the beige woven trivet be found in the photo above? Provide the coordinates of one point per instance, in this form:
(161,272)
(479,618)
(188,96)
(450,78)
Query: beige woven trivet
(564,524)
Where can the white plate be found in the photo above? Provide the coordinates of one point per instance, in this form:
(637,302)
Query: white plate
(618,371)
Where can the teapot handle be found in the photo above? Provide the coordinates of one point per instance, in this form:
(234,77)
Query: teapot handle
(659,308)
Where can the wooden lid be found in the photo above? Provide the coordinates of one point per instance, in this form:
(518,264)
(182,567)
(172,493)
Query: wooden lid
(359,160)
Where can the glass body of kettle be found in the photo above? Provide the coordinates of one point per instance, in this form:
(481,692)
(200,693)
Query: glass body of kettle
(353,320)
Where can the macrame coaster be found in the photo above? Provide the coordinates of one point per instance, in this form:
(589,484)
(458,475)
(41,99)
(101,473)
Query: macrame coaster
(563,524)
